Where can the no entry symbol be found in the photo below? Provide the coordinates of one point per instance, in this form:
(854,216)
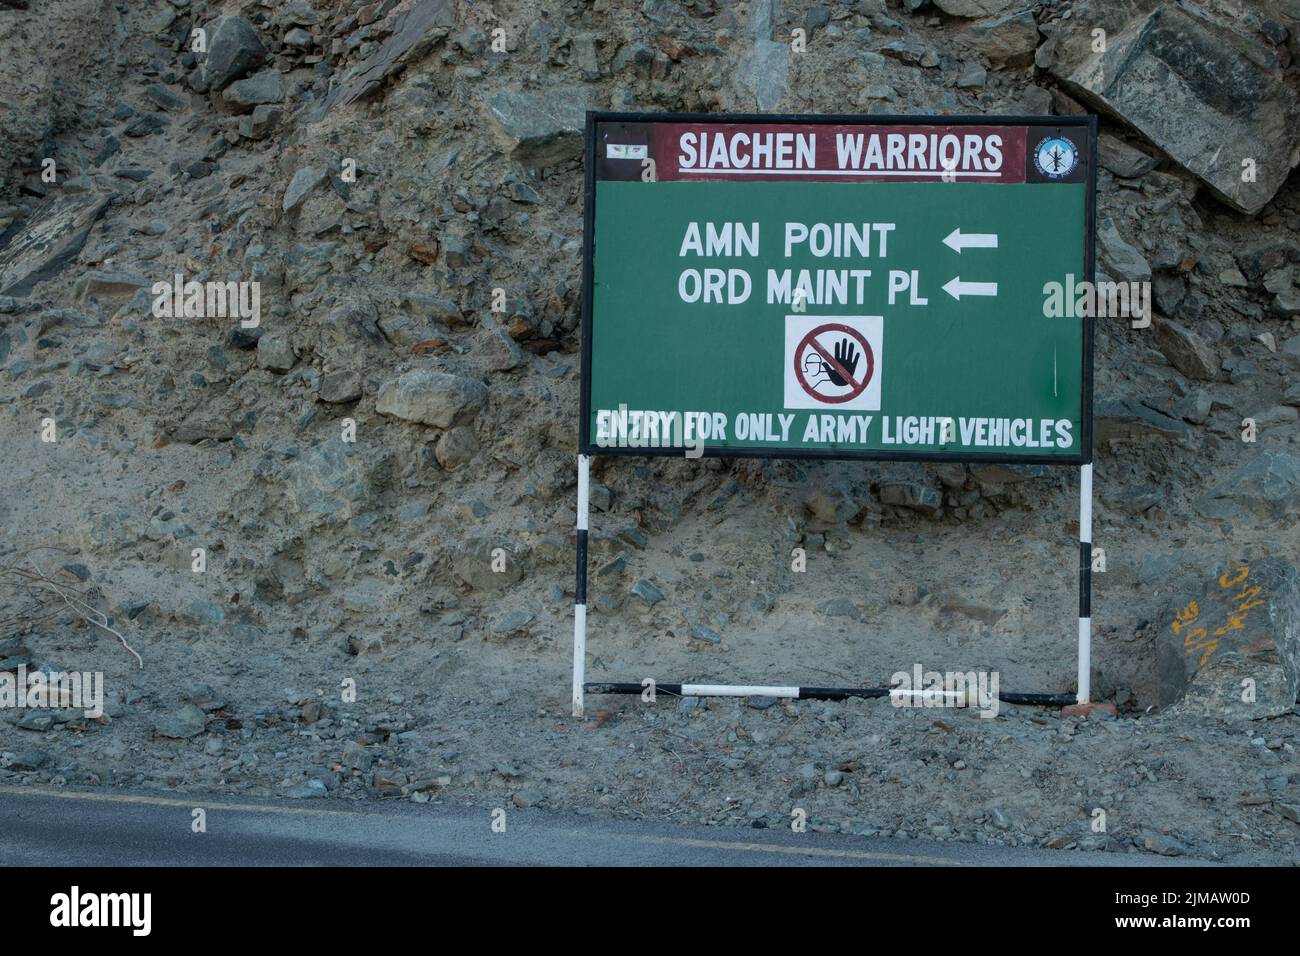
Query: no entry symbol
(834,363)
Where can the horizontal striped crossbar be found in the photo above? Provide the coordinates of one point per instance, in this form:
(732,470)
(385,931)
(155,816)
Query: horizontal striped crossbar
(819,693)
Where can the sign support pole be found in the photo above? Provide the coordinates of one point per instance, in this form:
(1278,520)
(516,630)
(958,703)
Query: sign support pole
(1085,582)
(580,587)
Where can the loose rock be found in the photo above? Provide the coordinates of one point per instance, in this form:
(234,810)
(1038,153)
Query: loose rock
(432,398)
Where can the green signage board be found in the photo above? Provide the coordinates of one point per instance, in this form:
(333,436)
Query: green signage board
(838,287)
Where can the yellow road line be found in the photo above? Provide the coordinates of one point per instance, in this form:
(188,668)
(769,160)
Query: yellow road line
(171,802)
(802,851)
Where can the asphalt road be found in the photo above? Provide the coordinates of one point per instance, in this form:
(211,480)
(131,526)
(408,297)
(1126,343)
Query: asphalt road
(74,828)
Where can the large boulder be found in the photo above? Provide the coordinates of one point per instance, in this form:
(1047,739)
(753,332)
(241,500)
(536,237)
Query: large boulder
(1126,419)
(432,398)
(974,9)
(1186,351)
(1234,649)
(181,724)
(234,51)
(417,29)
(1210,98)
(762,75)
(261,88)
(913,495)
(108,285)
(51,239)
(334,480)
(1120,258)
(539,130)
(1267,486)
(1008,40)
(485,565)
(302,183)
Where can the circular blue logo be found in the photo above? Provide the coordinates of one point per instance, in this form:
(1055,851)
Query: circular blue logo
(1056,157)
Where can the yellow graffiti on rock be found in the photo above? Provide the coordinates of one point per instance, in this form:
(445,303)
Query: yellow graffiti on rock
(1197,636)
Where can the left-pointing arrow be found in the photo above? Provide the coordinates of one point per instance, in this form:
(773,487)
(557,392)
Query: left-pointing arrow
(957,288)
(958,240)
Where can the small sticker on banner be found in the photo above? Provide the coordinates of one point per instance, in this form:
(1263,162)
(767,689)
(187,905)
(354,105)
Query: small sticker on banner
(626,151)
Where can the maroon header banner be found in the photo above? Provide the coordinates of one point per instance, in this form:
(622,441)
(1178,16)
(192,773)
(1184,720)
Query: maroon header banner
(829,153)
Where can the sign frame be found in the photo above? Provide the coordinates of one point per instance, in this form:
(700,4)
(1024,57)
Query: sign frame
(586,450)
(587,447)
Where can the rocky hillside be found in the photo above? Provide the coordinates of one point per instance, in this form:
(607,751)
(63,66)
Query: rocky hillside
(403,181)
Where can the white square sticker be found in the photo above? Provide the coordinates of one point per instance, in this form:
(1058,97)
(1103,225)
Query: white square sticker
(833,362)
(625,151)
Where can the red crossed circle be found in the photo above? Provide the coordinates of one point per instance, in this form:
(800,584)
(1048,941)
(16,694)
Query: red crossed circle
(810,341)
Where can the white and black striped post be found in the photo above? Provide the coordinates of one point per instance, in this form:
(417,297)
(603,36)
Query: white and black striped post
(1085,582)
(580,588)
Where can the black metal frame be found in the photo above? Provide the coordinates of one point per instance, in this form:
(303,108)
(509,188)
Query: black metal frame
(588,254)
